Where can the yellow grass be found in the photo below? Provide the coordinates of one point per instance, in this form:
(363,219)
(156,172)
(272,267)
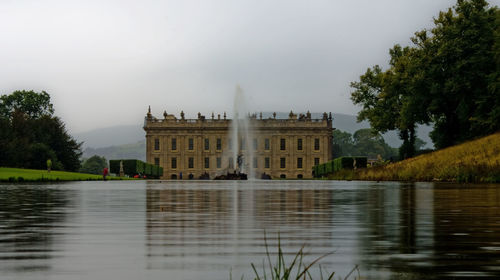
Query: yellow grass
(474,161)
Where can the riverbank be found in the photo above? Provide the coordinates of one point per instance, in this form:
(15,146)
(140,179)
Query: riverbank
(33,175)
(476,161)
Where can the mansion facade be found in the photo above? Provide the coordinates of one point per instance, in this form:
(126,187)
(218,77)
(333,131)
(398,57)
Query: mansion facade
(279,148)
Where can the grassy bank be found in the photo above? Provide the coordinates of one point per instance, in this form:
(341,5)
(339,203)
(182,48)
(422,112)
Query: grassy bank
(32,175)
(474,161)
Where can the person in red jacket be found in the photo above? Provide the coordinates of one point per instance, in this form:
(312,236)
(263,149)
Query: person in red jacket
(105,173)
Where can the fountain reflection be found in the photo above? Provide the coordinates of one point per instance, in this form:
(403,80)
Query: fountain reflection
(202,227)
(411,231)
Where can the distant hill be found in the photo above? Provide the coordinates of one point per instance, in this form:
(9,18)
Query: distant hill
(126,151)
(111,136)
(127,141)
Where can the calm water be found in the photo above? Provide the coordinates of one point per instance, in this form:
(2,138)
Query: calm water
(204,230)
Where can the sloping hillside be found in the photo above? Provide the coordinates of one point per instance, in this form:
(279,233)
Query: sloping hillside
(136,150)
(474,161)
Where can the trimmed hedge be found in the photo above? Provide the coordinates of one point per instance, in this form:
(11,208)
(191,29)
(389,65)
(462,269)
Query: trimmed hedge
(132,167)
(338,164)
(348,163)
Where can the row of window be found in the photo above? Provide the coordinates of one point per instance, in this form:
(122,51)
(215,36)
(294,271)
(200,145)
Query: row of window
(267,144)
(267,162)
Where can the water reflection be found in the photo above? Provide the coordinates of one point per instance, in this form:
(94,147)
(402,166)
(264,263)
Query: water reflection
(467,230)
(415,231)
(29,217)
(203,230)
(432,232)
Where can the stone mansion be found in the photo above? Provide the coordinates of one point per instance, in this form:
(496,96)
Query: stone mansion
(280,148)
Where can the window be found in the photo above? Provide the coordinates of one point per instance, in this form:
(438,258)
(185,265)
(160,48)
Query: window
(231,165)
(283,176)
(207,162)
(282,162)
(191,162)
(266,144)
(219,144)
(174,163)
(267,163)
(299,162)
(219,162)
(255,144)
(207,144)
(190,144)
(230,144)
(157,144)
(316,144)
(299,144)
(157,161)
(254,162)
(316,161)
(282,144)
(174,144)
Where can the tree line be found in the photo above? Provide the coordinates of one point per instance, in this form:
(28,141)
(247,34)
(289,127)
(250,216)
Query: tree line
(448,77)
(30,134)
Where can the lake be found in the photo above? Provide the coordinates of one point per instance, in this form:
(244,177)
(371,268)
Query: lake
(211,229)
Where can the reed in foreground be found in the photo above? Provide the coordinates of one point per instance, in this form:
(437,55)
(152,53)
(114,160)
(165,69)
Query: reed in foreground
(297,269)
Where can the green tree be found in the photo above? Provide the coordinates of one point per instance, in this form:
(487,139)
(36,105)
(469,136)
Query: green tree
(448,77)
(343,144)
(30,135)
(459,66)
(364,142)
(388,100)
(368,142)
(94,165)
(33,104)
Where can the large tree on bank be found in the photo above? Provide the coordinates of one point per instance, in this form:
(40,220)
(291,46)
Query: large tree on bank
(30,133)
(448,77)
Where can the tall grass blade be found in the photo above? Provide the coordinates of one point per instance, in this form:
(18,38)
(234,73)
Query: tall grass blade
(256,273)
(352,270)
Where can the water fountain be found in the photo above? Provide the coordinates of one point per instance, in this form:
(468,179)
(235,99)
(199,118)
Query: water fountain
(242,149)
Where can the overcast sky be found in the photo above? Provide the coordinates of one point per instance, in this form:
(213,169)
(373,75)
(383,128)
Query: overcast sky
(104,62)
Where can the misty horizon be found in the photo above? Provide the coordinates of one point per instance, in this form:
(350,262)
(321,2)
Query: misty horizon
(105,62)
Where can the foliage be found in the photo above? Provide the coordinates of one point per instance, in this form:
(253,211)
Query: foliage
(338,164)
(447,77)
(343,144)
(32,175)
(34,105)
(349,163)
(364,142)
(30,134)
(296,269)
(94,165)
(133,167)
(474,161)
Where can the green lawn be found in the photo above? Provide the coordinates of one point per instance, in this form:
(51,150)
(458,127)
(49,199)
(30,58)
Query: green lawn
(33,175)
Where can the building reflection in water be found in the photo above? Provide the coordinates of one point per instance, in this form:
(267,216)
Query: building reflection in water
(29,216)
(204,227)
(393,230)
